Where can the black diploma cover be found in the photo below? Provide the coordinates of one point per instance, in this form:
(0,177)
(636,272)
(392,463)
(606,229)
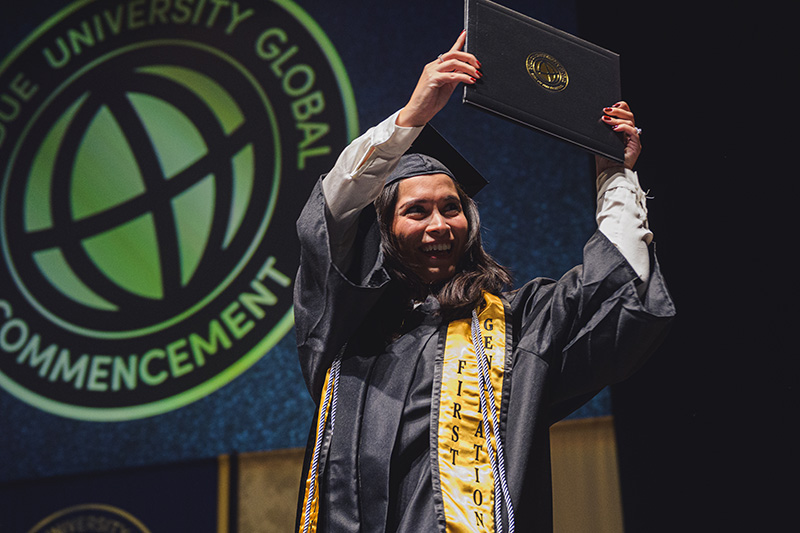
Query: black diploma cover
(542,77)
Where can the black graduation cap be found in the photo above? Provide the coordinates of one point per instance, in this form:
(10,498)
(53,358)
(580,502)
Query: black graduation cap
(431,143)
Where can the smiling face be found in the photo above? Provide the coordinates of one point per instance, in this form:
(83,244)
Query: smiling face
(430,226)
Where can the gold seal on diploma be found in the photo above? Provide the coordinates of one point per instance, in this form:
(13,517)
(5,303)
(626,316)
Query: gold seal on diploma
(547,71)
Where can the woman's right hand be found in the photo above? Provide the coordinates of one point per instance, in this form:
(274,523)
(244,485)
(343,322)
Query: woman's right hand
(438,81)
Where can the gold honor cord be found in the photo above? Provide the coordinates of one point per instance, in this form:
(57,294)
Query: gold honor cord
(470,452)
(311,491)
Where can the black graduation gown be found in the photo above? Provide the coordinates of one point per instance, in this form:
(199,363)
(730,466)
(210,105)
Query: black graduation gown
(568,339)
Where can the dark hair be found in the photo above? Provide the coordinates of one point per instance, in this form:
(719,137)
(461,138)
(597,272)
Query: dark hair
(476,271)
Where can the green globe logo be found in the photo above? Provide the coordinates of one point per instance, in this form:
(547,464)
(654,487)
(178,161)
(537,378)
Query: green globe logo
(153,168)
(130,255)
(138,187)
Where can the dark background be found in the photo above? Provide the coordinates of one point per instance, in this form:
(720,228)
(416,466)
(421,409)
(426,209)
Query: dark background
(705,429)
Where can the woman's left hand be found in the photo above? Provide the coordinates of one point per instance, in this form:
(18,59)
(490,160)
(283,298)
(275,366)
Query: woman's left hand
(620,118)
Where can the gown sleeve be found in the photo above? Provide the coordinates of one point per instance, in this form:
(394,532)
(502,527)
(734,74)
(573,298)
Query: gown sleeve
(599,323)
(341,274)
(591,328)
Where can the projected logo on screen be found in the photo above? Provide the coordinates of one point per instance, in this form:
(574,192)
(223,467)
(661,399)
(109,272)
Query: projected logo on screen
(91,518)
(155,157)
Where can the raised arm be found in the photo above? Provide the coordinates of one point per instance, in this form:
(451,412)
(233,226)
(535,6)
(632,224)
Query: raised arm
(621,204)
(359,173)
(328,303)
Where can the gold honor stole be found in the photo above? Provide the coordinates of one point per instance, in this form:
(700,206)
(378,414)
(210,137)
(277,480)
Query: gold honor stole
(467,480)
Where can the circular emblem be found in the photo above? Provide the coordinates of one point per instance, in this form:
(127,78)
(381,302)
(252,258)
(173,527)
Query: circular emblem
(90,518)
(154,158)
(547,71)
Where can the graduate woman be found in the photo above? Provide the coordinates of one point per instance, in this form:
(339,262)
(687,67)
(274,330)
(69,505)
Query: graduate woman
(435,388)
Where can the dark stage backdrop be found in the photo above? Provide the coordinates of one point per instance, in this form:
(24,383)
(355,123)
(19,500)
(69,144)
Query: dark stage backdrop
(705,430)
(153,158)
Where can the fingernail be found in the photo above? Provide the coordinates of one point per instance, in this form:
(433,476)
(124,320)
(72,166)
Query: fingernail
(608,109)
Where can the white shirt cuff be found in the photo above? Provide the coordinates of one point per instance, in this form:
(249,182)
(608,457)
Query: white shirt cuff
(361,169)
(622,216)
